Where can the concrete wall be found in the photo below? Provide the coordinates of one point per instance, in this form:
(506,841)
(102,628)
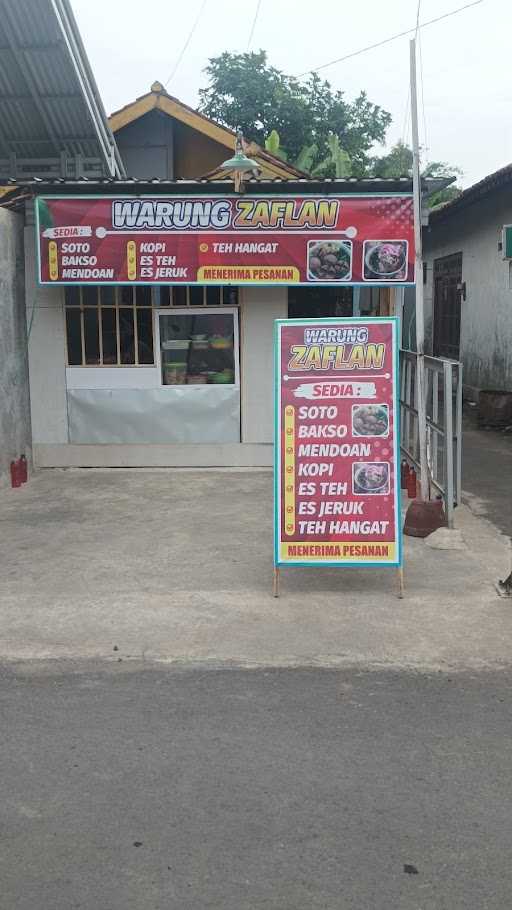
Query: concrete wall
(15,436)
(46,353)
(260,307)
(486,314)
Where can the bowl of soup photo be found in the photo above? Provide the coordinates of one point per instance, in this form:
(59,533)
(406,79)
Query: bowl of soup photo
(329,260)
(370,420)
(370,478)
(385,259)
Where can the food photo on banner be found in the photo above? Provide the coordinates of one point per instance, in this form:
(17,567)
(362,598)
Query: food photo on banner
(337,477)
(221,240)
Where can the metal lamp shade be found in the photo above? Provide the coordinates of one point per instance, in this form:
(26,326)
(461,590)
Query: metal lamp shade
(241,163)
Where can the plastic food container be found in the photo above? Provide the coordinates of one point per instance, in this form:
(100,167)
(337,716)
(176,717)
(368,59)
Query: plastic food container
(175,374)
(220,344)
(225,377)
(179,344)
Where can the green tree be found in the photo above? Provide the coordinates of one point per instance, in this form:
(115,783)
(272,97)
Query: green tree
(398,163)
(443,169)
(243,90)
(337,159)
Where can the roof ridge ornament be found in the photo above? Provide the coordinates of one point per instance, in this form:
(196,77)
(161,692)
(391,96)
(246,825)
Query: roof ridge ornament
(157,87)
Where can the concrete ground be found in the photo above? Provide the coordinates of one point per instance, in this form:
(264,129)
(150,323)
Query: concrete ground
(487,473)
(177,566)
(179,740)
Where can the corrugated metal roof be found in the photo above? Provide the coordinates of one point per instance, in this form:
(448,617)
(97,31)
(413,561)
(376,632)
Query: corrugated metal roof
(474,193)
(49,101)
(404,183)
(136,185)
(131,186)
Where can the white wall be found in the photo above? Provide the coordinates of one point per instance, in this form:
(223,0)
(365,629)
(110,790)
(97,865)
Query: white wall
(113,377)
(260,307)
(486,314)
(46,353)
(50,379)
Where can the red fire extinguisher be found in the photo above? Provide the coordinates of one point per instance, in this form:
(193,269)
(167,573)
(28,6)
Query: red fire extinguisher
(15,474)
(23,469)
(404,473)
(411,484)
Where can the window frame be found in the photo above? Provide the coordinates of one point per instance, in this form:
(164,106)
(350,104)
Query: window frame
(223,289)
(200,311)
(116,307)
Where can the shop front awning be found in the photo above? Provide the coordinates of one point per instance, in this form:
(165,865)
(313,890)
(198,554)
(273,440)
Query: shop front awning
(52,120)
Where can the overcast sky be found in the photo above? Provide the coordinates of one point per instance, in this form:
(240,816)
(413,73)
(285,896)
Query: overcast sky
(466,86)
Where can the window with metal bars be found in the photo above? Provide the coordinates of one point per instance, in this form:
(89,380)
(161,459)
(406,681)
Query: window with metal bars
(113,325)
(109,326)
(185,295)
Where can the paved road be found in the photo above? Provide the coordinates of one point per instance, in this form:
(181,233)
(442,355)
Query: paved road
(126,788)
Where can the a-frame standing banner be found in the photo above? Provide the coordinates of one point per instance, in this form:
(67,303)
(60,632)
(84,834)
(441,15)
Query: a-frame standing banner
(337,463)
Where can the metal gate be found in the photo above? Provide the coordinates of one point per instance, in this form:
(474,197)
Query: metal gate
(443,395)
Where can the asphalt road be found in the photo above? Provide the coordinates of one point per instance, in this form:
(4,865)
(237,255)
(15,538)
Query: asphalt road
(126,788)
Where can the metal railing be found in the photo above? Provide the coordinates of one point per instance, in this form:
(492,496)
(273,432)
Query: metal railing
(443,385)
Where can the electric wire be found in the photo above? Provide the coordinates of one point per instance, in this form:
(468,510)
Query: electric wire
(408,31)
(187,42)
(253,26)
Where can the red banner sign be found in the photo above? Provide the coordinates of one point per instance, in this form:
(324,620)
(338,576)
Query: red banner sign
(337,453)
(226,240)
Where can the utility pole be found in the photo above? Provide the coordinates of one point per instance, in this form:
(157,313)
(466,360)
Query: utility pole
(418,278)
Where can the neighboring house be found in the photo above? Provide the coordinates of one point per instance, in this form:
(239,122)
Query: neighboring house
(159,136)
(468,283)
(52,124)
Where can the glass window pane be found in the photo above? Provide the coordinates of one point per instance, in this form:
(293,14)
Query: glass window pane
(74,337)
(179,295)
(305,302)
(127,340)
(72,295)
(90,295)
(127,295)
(145,335)
(196,295)
(230,296)
(143,295)
(197,349)
(91,336)
(163,296)
(107,295)
(212,296)
(109,335)
(344,301)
